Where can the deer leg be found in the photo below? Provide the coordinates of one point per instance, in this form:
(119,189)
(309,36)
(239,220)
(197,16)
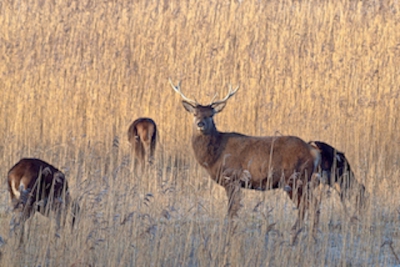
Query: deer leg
(314,201)
(60,207)
(142,157)
(361,198)
(304,200)
(358,191)
(298,199)
(152,150)
(295,191)
(135,153)
(234,196)
(297,227)
(139,154)
(311,203)
(314,210)
(307,202)
(17,223)
(148,153)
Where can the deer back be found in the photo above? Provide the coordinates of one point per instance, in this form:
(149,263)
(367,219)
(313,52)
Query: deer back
(36,177)
(263,159)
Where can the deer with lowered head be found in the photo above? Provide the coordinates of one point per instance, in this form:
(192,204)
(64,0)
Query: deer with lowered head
(35,185)
(335,168)
(236,161)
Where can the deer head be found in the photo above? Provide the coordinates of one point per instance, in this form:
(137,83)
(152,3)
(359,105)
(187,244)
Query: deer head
(203,115)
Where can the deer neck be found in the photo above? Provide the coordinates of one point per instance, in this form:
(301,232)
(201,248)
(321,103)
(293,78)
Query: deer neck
(207,148)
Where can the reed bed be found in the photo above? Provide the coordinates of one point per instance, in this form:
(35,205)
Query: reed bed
(75,74)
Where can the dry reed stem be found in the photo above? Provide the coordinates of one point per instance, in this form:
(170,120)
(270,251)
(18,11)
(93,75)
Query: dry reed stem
(74,74)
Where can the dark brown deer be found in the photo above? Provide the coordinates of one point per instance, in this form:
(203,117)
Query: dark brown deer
(35,185)
(237,161)
(142,134)
(336,169)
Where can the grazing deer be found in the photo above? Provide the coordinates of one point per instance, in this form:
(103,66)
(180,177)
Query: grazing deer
(336,169)
(142,134)
(35,185)
(237,161)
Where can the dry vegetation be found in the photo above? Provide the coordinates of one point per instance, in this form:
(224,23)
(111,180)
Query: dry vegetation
(75,74)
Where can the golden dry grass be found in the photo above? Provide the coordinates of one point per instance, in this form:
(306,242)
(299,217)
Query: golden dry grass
(75,74)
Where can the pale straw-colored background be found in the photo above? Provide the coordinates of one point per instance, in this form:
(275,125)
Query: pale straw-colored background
(75,74)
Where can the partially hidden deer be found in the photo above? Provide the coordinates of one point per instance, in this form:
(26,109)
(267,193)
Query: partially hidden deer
(236,161)
(142,134)
(35,185)
(336,169)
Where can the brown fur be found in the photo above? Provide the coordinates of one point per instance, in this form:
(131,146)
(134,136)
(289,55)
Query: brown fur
(33,184)
(237,161)
(142,134)
(336,168)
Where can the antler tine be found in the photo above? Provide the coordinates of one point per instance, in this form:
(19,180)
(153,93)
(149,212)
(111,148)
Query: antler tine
(213,98)
(229,95)
(178,90)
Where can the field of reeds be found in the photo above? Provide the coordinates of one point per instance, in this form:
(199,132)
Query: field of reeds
(75,74)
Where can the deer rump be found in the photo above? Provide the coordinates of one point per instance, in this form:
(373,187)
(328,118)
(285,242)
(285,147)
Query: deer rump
(33,184)
(142,134)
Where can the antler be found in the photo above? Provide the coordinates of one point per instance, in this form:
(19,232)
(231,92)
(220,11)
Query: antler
(229,95)
(178,90)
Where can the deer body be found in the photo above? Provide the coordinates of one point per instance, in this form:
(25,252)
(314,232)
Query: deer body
(35,185)
(237,161)
(266,159)
(25,188)
(142,134)
(336,168)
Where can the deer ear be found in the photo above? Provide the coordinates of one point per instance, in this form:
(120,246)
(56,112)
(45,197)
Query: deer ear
(218,107)
(188,106)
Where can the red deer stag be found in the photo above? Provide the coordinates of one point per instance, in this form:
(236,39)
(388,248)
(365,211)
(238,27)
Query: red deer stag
(336,169)
(35,185)
(142,134)
(237,161)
